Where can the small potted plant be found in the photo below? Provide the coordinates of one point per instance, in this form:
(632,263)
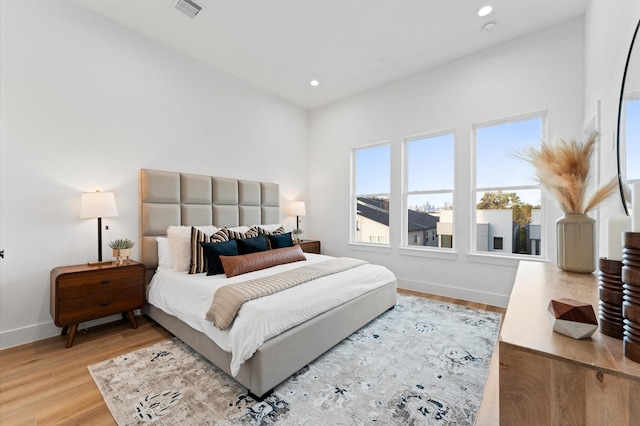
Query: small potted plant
(121,249)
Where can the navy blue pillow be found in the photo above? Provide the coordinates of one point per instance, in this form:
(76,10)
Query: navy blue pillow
(212,253)
(252,245)
(280,241)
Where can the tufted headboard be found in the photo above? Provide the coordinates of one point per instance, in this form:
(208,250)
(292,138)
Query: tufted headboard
(172,198)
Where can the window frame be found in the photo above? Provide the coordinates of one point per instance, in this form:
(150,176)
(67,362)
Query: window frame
(404,242)
(353,213)
(502,257)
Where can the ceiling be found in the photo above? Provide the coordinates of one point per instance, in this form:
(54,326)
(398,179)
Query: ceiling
(348,45)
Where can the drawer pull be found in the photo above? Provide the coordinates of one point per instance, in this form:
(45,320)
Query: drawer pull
(104,304)
(104,282)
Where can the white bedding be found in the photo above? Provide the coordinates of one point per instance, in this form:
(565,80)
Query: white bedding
(188,297)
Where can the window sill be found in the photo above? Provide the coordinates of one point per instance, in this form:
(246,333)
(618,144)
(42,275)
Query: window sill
(504,260)
(444,254)
(375,248)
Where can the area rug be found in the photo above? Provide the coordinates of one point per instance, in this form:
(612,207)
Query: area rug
(424,362)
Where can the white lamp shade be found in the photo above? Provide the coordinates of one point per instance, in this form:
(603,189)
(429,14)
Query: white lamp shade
(98,204)
(297,208)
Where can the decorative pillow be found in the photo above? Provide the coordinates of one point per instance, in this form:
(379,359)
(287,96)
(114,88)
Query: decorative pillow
(280,241)
(178,237)
(198,260)
(235,235)
(270,229)
(213,251)
(236,265)
(179,240)
(164,253)
(253,245)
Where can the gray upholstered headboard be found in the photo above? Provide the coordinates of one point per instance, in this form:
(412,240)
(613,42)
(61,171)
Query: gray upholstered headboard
(172,198)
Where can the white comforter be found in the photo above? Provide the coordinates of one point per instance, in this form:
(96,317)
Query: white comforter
(188,298)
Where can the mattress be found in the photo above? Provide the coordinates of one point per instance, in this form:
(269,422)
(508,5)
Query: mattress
(188,297)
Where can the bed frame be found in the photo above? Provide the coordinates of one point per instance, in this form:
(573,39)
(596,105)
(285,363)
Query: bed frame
(172,198)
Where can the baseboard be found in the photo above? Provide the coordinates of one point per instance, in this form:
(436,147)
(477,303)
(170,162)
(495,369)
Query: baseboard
(487,298)
(21,336)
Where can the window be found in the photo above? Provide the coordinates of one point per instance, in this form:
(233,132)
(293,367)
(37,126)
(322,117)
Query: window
(428,193)
(370,201)
(508,200)
(630,137)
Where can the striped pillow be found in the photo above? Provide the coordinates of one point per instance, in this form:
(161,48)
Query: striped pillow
(198,259)
(262,231)
(235,235)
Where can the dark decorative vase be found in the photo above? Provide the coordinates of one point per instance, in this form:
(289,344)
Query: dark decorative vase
(575,234)
(631,295)
(610,295)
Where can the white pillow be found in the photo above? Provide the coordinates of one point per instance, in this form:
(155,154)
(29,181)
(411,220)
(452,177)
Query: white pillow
(270,228)
(180,244)
(242,229)
(208,229)
(164,253)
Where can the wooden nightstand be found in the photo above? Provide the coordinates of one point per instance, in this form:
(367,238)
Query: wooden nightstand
(82,293)
(310,246)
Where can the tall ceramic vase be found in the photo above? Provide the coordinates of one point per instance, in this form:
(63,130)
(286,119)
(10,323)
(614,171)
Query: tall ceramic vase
(576,243)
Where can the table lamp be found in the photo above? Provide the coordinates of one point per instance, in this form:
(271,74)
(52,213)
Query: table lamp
(98,205)
(297,210)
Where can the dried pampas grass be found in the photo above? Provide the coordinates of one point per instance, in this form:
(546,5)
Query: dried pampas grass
(563,169)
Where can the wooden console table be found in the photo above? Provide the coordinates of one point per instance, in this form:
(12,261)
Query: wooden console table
(547,378)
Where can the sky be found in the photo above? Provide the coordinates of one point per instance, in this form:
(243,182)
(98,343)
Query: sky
(430,164)
(632,131)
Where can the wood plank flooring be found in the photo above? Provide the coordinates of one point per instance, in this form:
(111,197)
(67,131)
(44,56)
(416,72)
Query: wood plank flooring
(44,383)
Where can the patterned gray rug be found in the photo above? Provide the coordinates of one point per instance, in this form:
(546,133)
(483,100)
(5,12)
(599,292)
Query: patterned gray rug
(425,362)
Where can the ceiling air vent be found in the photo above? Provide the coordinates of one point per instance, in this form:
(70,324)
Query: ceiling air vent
(188,7)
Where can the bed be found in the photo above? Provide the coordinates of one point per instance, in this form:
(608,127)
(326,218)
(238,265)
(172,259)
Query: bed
(180,199)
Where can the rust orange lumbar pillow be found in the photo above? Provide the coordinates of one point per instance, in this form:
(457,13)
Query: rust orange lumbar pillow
(236,265)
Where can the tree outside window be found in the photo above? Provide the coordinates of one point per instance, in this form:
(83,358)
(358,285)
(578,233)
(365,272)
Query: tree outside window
(508,199)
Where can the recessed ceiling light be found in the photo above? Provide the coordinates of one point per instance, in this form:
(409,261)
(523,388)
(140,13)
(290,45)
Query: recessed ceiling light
(314,82)
(489,27)
(485,10)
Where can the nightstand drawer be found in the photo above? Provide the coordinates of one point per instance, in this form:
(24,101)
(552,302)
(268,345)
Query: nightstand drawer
(88,283)
(72,311)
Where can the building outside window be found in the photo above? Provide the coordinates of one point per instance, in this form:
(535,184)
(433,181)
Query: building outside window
(428,190)
(370,199)
(446,241)
(508,200)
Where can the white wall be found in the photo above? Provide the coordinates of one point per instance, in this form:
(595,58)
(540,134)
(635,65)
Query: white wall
(608,31)
(543,71)
(85,104)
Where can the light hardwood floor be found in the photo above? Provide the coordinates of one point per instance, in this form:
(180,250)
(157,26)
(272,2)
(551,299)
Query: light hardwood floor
(44,383)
